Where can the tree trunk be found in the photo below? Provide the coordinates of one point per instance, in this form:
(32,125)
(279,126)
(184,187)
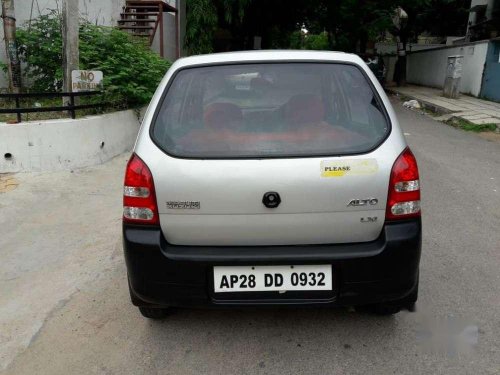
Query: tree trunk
(402,74)
(70,30)
(13,62)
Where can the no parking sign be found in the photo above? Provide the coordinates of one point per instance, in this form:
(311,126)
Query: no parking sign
(86,80)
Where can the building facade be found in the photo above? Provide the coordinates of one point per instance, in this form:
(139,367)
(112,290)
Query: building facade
(484,20)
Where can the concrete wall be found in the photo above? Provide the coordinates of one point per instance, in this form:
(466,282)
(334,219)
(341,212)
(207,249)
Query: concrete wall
(389,48)
(428,68)
(169,35)
(66,144)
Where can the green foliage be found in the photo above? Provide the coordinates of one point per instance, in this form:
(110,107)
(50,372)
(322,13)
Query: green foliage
(131,70)
(279,38)
(204,17)
(317,41)
(349,24)
(296,40)
(300,40)
(470,127)
(201,21)
(41,49)
(234,9)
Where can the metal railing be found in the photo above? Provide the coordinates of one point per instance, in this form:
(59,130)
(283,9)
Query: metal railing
(71,108)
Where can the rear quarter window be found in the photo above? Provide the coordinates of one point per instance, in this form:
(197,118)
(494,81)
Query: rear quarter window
(269,110)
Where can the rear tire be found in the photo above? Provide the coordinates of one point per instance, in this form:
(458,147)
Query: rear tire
(384,309)
(393,307)
(154,312)
(411,300)
(135,300)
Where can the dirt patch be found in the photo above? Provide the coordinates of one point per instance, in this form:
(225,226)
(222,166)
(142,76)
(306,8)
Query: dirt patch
(490,136)
(8,183)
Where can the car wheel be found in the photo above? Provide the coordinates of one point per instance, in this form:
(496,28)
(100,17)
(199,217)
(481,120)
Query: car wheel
(393,307)
(153,312)
(135,300)
(411,300)
(384,308)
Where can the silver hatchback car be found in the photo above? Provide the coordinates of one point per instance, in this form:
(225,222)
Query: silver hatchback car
(271,178)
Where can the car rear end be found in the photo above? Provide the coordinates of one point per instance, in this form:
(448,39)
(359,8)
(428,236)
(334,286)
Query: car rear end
(271,178)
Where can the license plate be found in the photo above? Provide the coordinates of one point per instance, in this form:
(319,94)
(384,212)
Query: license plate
(272,278)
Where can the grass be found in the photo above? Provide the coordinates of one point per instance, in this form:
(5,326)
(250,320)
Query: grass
(470,127)
(30,102)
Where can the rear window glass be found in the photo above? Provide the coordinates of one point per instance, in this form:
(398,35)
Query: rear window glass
(269,110)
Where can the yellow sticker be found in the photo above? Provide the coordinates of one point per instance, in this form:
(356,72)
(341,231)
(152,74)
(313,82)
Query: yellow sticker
(348,167)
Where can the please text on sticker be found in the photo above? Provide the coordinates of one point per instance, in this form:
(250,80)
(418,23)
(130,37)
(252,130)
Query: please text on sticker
(340,168)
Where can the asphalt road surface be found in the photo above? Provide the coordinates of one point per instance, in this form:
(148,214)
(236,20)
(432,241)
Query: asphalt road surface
(64,305)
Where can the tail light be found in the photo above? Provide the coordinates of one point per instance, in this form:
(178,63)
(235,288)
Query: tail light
(139,198)
(403,200)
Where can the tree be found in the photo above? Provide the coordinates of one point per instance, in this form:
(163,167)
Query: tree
(443,17)
(131,70)
(13,62)
(438,17)
(348,24)
(205,16)
(201,21)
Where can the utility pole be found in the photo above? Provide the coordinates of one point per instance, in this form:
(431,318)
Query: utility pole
(9,29)
(70,18)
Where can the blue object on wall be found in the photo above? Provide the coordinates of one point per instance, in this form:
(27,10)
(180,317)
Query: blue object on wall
(490,86)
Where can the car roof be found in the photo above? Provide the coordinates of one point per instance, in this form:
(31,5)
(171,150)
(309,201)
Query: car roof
(267,56)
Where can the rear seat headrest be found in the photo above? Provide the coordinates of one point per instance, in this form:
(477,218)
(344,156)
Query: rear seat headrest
(304,109)
(222,116)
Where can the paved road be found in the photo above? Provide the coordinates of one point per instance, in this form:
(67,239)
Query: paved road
(64,306)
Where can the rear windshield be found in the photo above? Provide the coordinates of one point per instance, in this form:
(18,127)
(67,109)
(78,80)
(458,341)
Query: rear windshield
(269,110)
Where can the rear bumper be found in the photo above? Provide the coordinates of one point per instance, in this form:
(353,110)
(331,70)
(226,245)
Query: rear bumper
(162,274)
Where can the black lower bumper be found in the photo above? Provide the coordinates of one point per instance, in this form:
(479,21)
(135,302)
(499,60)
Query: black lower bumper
(162,274)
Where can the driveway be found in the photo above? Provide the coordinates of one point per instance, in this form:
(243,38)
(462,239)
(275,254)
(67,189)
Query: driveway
(64,305)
